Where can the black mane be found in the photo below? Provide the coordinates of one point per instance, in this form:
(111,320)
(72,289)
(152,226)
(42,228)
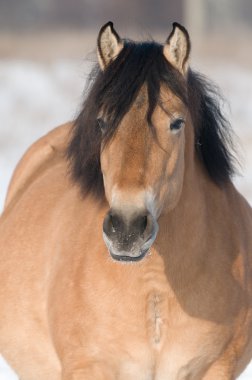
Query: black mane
(115,90)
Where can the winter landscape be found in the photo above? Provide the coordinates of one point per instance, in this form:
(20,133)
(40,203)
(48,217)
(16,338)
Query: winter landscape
(35,97)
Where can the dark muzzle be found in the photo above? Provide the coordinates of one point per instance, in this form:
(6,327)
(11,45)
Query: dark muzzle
(129,238)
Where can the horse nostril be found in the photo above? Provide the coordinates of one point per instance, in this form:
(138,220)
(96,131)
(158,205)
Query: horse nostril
(140,224)
(145,222)
(107,225)
(116,222)
(112,224)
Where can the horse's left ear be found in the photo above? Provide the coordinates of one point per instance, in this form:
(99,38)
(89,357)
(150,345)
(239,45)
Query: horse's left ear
(109,45)
(177,48)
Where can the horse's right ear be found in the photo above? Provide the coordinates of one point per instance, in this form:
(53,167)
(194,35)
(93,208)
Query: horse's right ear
(177,48)
(109,45)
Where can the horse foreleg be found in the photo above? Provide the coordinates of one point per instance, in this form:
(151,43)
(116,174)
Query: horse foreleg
(220,371)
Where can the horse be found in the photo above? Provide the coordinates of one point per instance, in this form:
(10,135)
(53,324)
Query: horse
(126,250)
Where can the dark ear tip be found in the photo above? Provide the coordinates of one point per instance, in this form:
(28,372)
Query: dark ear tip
(181,27)
(177,24)
(105,26)
(111,24)
(108,24)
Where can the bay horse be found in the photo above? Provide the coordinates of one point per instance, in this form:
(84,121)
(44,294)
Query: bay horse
(125,248)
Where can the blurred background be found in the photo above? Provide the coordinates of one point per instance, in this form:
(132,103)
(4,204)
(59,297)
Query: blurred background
(47,48)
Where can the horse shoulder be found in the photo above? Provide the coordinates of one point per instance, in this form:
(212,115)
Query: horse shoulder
(36,159)
(242,218)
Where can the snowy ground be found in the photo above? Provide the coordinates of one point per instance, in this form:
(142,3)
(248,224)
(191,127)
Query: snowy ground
(35,97)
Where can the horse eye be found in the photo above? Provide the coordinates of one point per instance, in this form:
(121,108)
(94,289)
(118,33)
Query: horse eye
(177,124)
(101,123)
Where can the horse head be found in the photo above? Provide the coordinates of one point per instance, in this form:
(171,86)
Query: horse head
(143,163)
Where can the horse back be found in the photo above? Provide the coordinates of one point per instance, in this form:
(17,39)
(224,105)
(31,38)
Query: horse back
(36,159)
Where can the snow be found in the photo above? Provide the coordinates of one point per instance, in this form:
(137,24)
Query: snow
(35,97)
(6,373)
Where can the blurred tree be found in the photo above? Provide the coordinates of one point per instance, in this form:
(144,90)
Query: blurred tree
(198,15)
(16,14)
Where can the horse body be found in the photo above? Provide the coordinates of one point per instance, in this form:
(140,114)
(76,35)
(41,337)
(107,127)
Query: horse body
(69,311)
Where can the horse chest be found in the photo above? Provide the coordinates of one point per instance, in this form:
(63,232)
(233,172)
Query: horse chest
(156,319)
(178,347)
(144,332)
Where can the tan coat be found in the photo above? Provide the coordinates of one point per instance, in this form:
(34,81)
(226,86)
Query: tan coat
(69,312)
(184,311)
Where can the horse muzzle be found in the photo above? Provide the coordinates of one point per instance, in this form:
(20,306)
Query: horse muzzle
(129,238)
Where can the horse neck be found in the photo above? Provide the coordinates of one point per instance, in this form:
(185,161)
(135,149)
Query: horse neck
(183,232)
